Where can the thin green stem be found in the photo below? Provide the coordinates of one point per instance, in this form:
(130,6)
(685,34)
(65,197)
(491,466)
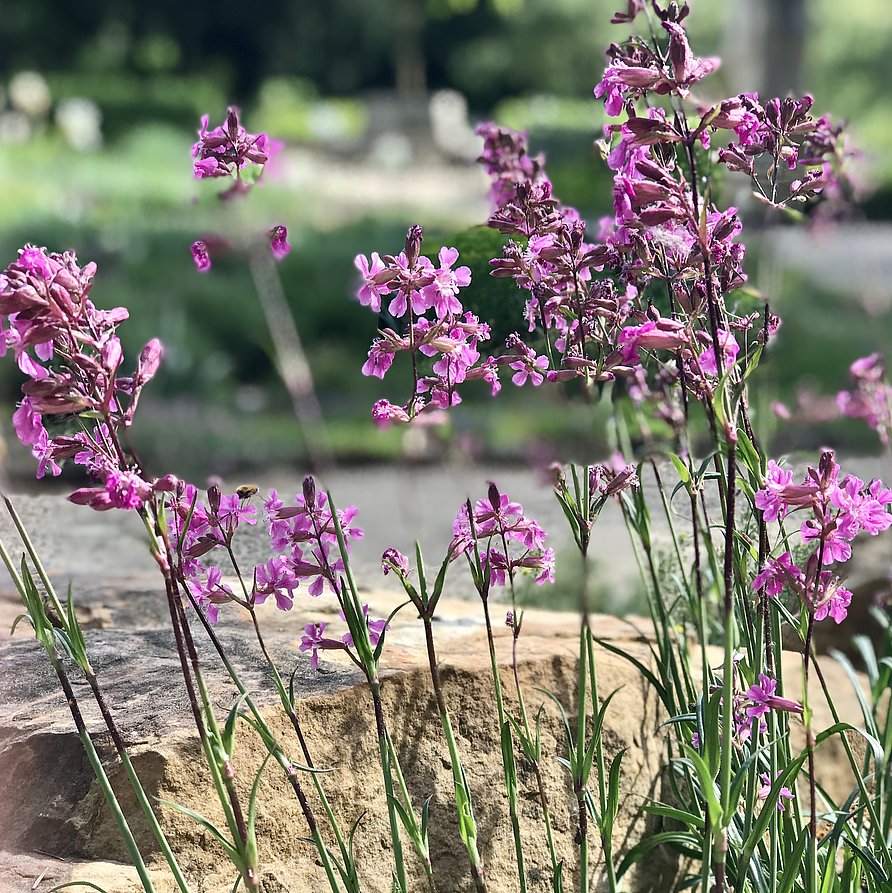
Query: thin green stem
(507,767)
(384,752)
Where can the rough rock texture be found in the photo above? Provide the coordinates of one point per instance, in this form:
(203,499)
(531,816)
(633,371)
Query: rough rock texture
(54,826)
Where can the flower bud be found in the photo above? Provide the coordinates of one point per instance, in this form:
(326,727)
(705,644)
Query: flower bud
(214,496)
(413,244)
(394,560)
(309,489)
(150,360)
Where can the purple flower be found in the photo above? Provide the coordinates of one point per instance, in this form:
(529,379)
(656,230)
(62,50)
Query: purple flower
(28,423)
(394,560)
(210,592)
(234,511)
(274,578)
(201,257)
(776,573)
(768,499)
(227,149)
(312,640)
(127,490)
(765,789)
(763,698)
(728,348)
(35,261)
(278,242)
(441,293)
(374,285)
(380,358)
(529,369)
(832,599)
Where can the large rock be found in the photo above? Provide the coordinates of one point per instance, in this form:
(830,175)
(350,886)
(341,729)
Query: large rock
(55,827)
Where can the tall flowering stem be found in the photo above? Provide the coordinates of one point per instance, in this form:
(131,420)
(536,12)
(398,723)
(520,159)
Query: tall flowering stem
(478,531)
(425,600)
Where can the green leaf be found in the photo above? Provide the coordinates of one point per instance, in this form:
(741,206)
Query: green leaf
(612,795)
(380,646)
(76,635)
(684,841)
(682,469)
(679,815)
(648,675)
(252,813)
(707,784)
(794,864)
(231,851)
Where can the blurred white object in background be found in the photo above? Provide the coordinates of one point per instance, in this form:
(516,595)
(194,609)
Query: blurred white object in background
(452,133)
(15,128)
(29,94)
(80,121)
(391,151)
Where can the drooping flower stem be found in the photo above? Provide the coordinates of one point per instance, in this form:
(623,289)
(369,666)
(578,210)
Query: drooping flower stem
(290,357)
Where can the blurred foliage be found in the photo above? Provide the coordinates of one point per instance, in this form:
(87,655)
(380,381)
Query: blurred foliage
(312,74)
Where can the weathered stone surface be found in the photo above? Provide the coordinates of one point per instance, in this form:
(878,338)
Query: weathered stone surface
(53,821)
(60,812)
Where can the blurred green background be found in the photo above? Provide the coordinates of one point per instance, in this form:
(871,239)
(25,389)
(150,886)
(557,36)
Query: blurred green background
(376,103)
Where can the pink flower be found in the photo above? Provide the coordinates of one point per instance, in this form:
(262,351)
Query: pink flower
(441,293)
(530,369)
(777,572)
(278,242)
(127,490)
(765,789)
(763,698)
(313,640)
(35,261)
(276,579)
(728,348)
(201,257)
(384,414)
(380,358)
(768,499)
(832,599)
(374,285)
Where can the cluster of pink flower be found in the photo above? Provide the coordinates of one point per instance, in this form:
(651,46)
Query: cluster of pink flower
(72,357)
(303,543)
(226,150)
(838,508)
(230,151)
(870,398)
(662,230)
(780,130)
(506,159)
(496,524)
(305,533)
(425,307)
(198,529)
